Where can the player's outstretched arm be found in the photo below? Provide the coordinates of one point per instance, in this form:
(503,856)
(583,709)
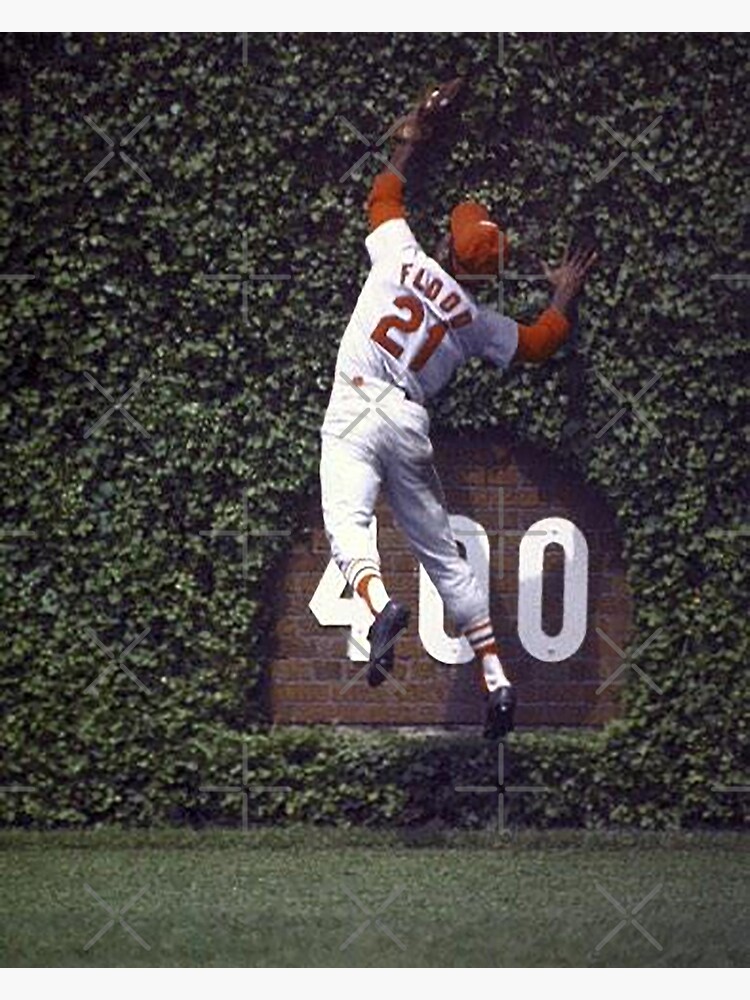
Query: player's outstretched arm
(541,340)
(419,124)
(386,200)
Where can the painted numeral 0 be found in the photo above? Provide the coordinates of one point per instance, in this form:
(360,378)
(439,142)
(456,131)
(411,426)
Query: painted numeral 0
(534,640)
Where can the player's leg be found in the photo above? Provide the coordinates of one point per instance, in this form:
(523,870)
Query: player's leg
(416,497)
(350,481)
(417,500)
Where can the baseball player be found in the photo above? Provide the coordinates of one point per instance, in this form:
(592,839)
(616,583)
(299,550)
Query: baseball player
(414,323)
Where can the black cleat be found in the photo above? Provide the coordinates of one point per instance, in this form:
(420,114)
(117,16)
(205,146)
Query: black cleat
(391,621)
(501,706)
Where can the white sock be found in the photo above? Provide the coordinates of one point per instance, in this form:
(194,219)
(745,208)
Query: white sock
(364,577)
(377,595)
(494,675)
(482,639)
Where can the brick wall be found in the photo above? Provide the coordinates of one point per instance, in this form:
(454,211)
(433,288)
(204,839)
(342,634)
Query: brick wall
(506,490)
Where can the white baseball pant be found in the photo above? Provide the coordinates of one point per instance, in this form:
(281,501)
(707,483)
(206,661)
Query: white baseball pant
(373,437)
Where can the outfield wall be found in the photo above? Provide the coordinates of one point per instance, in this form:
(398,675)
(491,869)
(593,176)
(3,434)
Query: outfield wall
(514,507)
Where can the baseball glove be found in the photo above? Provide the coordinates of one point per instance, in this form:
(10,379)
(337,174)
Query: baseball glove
(420,122)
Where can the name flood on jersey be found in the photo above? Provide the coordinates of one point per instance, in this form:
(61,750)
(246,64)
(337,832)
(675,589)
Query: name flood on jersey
(430,287)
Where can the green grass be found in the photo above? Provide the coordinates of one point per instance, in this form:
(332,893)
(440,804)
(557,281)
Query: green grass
(280,897)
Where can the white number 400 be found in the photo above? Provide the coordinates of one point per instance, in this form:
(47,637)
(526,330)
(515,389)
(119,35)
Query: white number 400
(330,607)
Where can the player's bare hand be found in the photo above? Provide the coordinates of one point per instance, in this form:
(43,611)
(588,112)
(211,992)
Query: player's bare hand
(568,278)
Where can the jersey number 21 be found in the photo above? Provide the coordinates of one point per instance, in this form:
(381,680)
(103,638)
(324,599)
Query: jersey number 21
(409,324)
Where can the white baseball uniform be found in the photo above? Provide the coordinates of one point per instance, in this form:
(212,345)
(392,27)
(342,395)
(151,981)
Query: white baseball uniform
(412,326)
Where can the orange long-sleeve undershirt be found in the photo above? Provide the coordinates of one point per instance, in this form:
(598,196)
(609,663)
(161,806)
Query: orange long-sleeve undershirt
(386,200)
(536,342)
(539,341)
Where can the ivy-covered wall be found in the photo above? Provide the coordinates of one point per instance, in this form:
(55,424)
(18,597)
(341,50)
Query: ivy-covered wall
(181,237)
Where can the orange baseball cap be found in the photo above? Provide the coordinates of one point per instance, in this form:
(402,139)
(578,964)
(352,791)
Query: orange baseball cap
(478,242)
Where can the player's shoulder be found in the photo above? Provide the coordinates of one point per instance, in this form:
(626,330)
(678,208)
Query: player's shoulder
(494,336)
(492,317)
(391,238)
